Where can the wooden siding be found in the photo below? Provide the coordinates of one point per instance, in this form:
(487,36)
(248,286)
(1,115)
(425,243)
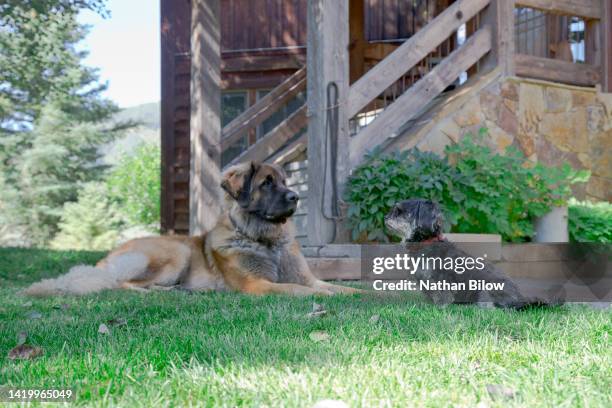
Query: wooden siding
(271,24)
(607,45)
(175,108)
(262,41)
(262,24)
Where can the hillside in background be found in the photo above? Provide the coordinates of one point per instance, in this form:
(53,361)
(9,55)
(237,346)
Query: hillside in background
(148,115)
(148,130)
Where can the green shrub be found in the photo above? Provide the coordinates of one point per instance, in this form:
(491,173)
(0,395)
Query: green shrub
(479,191)
(590,222)
(92,222)
(135,183)
(386,179)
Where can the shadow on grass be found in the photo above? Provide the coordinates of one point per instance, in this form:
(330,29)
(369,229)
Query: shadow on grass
(22,266)
(178,332)
(225,346)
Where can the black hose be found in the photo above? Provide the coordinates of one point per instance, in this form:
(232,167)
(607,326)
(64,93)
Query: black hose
(331,154)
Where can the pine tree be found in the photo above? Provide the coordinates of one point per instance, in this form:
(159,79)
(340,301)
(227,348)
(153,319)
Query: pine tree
(53,118)
(62,158)
(91,223)
(40,64)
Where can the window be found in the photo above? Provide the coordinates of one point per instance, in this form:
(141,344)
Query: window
(280,115)
(233,103)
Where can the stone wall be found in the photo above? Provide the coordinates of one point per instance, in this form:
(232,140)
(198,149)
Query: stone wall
(551,123)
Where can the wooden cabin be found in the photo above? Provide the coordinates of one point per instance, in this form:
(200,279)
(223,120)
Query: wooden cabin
(260,80)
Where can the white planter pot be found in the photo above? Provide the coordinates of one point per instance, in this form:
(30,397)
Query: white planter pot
(552,227)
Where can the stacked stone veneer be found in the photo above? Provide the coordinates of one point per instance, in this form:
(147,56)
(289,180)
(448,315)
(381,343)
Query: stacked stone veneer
(551,123)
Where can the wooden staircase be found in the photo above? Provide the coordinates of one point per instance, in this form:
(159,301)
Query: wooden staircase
(286,143)
(391,105)
(273,142)
(278,144)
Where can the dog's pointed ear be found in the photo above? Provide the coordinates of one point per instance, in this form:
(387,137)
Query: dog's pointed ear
(236,181)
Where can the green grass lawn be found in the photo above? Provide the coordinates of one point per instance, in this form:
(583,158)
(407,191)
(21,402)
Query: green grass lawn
(228,350)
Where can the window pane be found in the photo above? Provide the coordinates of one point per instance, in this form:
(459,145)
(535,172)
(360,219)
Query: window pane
(280,115)
(232,105)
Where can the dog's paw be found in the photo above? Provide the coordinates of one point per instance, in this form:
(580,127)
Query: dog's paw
(306,291)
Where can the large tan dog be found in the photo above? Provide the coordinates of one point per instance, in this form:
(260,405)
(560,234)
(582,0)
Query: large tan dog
(250,250)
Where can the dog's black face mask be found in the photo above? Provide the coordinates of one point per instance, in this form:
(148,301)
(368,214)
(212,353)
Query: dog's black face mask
(260,190)
(415,220)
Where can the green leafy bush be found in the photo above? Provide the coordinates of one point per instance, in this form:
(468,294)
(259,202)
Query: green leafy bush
(92,222)
(590,222)
(386,179)
(479,191)
(135,184)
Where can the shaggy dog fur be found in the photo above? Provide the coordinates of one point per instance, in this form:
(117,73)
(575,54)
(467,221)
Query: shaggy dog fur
(252,249)
(421,221)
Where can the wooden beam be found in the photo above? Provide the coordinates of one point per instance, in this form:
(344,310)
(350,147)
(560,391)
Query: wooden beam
(593,40)
(327,64)
(470,28)
(290,152)
(579,8)
(274,139)
(358,40)
(252,133)
(379,51)
(205,173)
(259,63)
(556,71)
(500,16)
(420,94)
(175,33)
(264,108)
(253,80)
(607,47)
(389,70)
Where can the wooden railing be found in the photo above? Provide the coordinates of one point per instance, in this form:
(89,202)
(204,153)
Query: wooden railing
(420,94)
(493,29)
(389,70)
(589,73)
(590,9)
(494,32)
(414,50)
(262,110)
(555,70)
(272,141)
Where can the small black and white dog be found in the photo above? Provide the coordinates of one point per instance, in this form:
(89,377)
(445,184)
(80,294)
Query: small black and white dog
(421,221)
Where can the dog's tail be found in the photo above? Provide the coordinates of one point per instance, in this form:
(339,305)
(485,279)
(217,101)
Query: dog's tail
(84,279)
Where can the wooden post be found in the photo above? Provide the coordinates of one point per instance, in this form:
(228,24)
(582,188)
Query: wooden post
(205,177)
(358,41)
(500,15)
(175,99)
(251,100)
(327,63)
(607,47)
(593,40)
